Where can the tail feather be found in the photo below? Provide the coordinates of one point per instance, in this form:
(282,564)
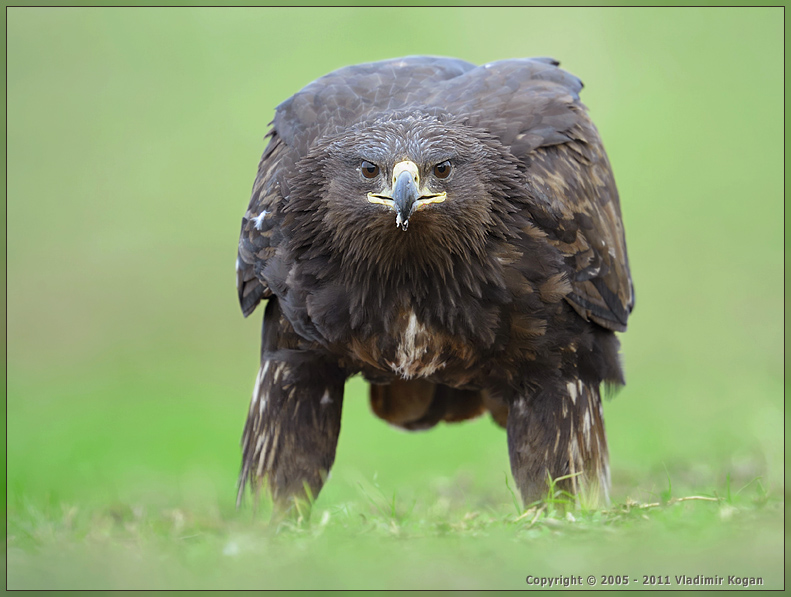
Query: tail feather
(418,404)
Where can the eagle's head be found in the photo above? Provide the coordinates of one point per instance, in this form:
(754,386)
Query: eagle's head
(426,173)
(406,163)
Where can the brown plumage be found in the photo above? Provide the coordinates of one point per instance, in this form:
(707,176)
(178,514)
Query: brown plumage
(453,233)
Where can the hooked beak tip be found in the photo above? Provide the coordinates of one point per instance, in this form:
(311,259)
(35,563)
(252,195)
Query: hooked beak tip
(405,194)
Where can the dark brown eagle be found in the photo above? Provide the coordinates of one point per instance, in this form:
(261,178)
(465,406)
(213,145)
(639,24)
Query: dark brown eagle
(453,233)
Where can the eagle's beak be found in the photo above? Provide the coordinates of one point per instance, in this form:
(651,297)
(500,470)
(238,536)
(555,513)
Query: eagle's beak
(404,195)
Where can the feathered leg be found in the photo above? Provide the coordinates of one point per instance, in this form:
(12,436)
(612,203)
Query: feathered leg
(560,433)
(293,424)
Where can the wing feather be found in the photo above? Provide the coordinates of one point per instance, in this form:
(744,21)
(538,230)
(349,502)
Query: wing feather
(585,224)
(260,233)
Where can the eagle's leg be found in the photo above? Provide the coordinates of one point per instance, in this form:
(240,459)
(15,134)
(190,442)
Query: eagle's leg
(293,424)
(559,433)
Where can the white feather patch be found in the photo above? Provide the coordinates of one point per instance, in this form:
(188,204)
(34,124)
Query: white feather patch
(410,358)
(259,219)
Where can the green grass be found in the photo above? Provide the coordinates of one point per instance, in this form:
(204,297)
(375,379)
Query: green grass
(430,510)
(437,539)
(133,138)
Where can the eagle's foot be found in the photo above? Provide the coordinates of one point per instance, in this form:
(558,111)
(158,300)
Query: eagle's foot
(292,511)
(558,447)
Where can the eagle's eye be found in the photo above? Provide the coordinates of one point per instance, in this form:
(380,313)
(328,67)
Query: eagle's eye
(442,170)
(369,170)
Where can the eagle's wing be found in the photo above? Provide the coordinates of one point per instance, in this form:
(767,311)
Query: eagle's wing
(584,222)
(531,105)
(260,231)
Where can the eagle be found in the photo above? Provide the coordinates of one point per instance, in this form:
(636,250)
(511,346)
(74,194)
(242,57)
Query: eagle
(452,233)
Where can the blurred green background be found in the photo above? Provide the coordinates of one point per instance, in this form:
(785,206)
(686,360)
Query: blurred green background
(133,138)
